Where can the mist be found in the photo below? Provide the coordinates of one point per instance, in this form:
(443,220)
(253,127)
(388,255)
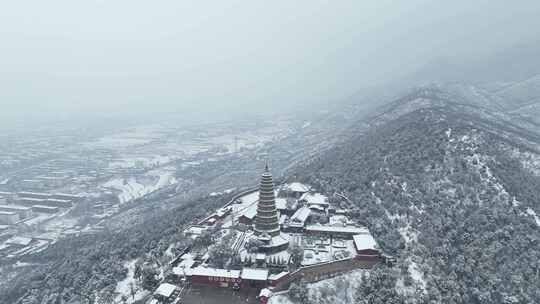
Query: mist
(62,59)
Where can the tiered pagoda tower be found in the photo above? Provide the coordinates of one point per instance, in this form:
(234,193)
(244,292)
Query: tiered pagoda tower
(267,218)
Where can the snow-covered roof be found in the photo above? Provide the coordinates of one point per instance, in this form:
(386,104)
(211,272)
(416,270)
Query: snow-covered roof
(364,241)
(278,276)
(15,207)
(184,268)
(215,272)
(196,229)
(45,207)
(337,220)
(282,219)
(316,207)
(186,263)
(187,256)
(19,240)
(68,195)
(223,211)
(338,229)
(23,193)
(265,292)
(254,274)
(8,213)
(315,199)
(277,240)
(297,187)
(179,271)
(165,290)
(56,200)
(301,215)
(281,203)
(342,211)
(31,199)
(250,212)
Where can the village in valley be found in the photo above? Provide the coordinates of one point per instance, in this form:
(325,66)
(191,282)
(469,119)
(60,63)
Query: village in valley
(264,240)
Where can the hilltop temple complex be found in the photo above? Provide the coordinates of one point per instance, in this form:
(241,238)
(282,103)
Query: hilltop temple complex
(270,236)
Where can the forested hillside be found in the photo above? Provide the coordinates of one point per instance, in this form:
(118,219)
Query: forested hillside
(449,188)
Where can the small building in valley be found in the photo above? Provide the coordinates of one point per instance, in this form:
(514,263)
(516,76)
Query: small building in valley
(166,293)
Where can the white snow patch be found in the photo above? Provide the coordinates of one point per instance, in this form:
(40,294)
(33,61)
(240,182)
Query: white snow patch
(315,199)
(408,234)
(529,161)
(448,132)
(141,162)
(393,217)
(339,290)
(135,187)
(533,214)
(417,276)
(123,288)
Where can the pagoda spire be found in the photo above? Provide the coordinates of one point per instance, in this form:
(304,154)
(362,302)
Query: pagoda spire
(267,218)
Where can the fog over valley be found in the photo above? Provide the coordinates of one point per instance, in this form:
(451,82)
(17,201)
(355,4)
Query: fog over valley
(64,58)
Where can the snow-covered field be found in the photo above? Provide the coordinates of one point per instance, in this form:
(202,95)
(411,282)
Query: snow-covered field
(135,187)
(144,162)
(129,285)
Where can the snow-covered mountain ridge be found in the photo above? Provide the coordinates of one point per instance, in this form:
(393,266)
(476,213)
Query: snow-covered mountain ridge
(451,189)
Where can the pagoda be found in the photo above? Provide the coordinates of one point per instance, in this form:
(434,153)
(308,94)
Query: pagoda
(267,217)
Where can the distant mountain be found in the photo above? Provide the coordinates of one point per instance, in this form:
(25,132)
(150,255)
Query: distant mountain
(450,185)
(513,63)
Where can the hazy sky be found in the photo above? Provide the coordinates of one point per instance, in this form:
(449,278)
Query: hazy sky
(114,56)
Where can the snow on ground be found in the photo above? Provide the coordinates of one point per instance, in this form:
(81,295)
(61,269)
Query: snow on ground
(339,290)
(529,161)
(393,217)
(42,217)
(246,202)
(143,162)
(280,299)
(448,132)
(228,191)
(408,234)
(134,187)
(533,214)
(123,288)
(416,275)
(250,198)
(120,140)
(244,141)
